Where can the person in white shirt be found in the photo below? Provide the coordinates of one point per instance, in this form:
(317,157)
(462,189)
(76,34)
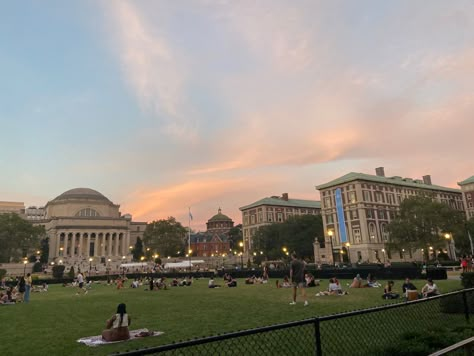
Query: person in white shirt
(430,289)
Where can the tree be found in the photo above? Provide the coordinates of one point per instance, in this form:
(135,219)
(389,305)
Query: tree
(295,234)
(44,250)
(421,223)
(235,236)
(165,237)
(137,250)
(18,237)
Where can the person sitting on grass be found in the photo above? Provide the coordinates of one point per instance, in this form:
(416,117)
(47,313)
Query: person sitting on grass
(117,325)
(310,281)
(333,289)
(285,284)
(356,282)
(372,282)
(430,289)
(388,292)
(212,284)
(231,282)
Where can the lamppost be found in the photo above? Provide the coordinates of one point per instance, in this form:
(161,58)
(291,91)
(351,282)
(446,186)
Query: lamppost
(348,254)
(123,267)
(241,260)
(403,253)
(383,251)
(450,241)
(24,268)
(107,270)
(90,265)
(190,253)
(331,233)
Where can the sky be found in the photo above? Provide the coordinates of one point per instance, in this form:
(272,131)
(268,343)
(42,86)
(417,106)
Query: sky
(168,105)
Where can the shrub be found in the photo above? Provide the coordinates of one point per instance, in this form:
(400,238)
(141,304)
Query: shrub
(455,304)
(71,273)
(37,267)
(58,271)
(3,272)
(467,279)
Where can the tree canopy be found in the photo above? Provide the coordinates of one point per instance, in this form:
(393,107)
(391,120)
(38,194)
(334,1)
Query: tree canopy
(422,222)
(235,236)
(165,237)
(295,234)
(18,237)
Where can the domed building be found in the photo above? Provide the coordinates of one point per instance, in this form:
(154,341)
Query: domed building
(219,223)
(215,241)
(85,226)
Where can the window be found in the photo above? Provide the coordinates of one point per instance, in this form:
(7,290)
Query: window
(355,215)
(381,214)
(327,202)
(356,234)
(270,217)
(470,204)
(351,197)
(329,219)
(87,212)
(260,216)
(468,196)
(279,217)
(367,195)
(252,219)
(383,228)
(369,214)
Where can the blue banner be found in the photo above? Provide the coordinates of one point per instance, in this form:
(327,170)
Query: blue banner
(340,216)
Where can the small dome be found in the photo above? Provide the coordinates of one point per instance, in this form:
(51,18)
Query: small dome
(220,217)
(82,193)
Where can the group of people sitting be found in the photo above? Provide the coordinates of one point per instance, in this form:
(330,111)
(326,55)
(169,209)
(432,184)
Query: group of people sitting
(334,288)
(410,291)
(310,281)
(371,282)
(255,280)
(229,281)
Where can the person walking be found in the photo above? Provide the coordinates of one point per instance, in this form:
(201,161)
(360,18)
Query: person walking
(28,282)
(297,278)
(80,284)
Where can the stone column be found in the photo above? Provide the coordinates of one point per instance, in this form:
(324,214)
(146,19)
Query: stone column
(73,244)
(116,244)
(102,243)
(65,245)
(58,243)
(88,247)
(79,250)
(109,246)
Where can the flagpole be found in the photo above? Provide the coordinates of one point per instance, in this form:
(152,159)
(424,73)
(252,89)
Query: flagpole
(189,237)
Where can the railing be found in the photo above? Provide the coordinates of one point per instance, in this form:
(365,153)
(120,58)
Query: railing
(362,332)
(465,344)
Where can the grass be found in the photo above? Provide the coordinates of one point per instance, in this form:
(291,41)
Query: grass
(52,322)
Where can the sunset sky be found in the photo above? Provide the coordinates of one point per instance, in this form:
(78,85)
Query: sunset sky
(165,105)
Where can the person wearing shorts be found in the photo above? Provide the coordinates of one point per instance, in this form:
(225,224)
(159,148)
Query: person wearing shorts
(80,283)
(297,278)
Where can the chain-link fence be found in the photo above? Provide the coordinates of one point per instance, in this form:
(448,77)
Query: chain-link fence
(384,330)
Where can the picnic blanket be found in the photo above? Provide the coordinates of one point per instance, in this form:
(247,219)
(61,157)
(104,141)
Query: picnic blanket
(134,334)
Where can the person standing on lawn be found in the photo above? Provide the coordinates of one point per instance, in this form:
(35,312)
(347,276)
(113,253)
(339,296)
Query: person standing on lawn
(28,283)
(297,278)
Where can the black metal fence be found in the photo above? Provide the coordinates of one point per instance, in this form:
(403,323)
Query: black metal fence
(374,331)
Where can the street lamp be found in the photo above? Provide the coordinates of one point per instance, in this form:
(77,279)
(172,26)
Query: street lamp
(90,265)
(403,252)
(383,251)
(24,269)
(190,252)
(348,254)
(331,233)
(241,261)
(450,240)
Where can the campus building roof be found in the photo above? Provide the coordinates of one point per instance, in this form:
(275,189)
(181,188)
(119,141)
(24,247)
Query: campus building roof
(396,180)
(467,181)
(294,203)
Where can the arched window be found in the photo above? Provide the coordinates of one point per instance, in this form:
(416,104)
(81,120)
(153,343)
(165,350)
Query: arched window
(383,228)
(88,212)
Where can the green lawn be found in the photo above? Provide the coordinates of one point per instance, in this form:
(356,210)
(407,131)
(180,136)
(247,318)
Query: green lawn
(52,322)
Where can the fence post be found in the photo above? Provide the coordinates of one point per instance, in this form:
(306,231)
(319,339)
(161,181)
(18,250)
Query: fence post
(466,306)
(317,336)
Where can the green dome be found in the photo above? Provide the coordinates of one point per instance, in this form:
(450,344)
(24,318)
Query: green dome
(220,217)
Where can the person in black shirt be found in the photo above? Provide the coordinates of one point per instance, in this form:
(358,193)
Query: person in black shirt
(297,278)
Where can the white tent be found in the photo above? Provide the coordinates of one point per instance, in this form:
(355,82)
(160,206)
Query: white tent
(134,264)
(183,264)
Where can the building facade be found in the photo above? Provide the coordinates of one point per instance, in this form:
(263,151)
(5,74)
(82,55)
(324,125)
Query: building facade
(85,226)
(467,189)
(357,209)
(214,242)
(12,207)
(272,210)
